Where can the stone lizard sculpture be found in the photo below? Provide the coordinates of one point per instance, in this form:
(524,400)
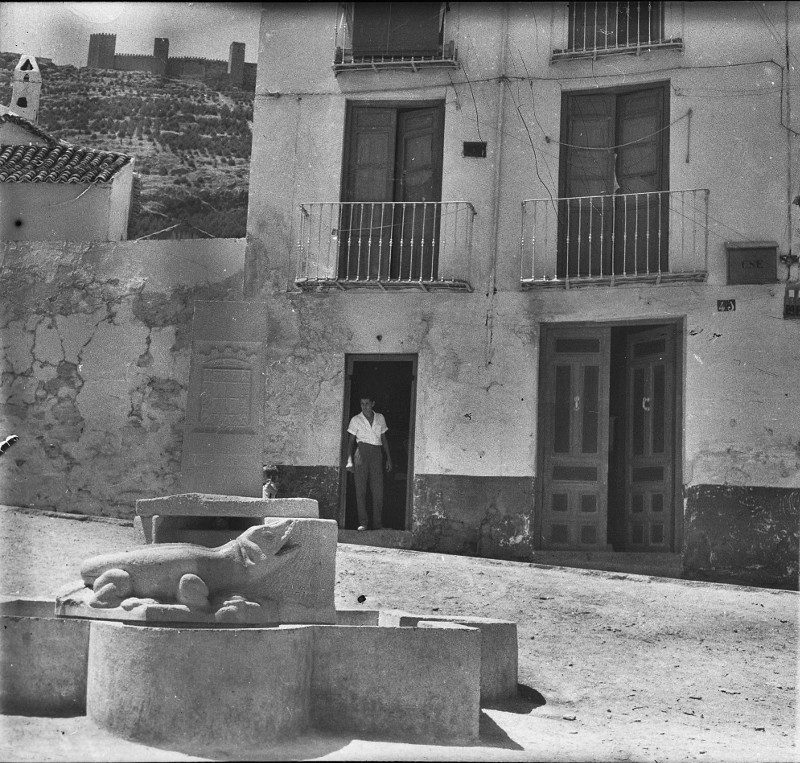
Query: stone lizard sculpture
(191,575)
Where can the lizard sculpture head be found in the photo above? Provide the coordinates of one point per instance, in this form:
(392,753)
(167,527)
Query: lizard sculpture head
(257,544)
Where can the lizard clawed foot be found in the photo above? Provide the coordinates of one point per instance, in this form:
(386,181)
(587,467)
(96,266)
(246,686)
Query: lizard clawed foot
(111,588)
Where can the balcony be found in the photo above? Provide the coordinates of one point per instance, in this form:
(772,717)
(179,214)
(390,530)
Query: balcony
(634,238)
(379,36)
(384,245)
(594,29)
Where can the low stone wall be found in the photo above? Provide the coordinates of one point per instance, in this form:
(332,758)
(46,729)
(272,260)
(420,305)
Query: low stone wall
(490,516)
(742,534)
(96,344)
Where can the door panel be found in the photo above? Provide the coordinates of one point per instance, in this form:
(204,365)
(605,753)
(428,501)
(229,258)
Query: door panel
(575,463)
(641,242)
(394,159)
(364,229)
(615,147)
(586,223)
(649,451)
(419,181)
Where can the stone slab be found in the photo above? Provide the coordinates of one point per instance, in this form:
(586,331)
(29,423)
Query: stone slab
(43,660)
(499,652)
(397,682)
(223,432)
(214,505)
(183,518)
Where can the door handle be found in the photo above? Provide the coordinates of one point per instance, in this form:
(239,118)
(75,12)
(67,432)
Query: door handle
(646,404)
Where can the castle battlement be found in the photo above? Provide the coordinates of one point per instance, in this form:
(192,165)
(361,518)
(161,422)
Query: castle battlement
(103,55)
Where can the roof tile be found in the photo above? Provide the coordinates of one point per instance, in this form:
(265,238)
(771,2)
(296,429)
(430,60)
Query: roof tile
(57,162)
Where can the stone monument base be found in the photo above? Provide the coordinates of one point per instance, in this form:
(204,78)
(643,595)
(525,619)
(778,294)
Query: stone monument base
(300,591)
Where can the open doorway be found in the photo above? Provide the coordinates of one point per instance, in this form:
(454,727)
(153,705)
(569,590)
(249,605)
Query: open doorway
(610,437)
(391,379)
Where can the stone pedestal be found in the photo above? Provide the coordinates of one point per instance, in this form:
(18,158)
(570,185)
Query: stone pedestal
(222,441)
(209,519)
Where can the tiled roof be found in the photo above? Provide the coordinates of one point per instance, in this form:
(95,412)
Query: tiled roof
(56,162)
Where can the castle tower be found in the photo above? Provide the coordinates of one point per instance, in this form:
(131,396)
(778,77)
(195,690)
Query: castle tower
(102,47)
(236,63)
(160,56)
(26,88)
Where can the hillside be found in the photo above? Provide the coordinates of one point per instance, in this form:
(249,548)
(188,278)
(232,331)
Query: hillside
(191,142)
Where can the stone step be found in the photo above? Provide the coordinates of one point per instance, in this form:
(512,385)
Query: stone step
(635,563)
(386,538)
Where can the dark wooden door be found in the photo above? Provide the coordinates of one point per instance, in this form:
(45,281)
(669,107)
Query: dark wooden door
(586,223)
(574,404)
(615,147)
(392,182)
(418,189)
(649,470)
(365,229)
(640,220)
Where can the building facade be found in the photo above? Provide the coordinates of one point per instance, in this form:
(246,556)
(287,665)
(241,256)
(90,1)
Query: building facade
(557,243)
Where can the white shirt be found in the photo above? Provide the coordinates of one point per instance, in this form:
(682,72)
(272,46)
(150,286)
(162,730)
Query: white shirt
(366,432)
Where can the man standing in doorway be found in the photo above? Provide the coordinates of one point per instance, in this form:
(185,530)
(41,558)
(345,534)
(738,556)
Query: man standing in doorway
(367,443)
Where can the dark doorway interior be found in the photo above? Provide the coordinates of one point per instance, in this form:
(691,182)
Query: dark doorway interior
(391,380)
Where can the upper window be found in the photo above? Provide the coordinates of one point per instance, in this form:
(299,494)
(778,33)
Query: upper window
(388,35)
(601,28)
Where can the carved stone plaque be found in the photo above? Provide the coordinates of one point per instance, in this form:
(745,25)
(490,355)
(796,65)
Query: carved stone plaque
(224,412)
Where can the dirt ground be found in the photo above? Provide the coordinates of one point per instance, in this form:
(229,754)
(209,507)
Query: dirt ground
(613,667)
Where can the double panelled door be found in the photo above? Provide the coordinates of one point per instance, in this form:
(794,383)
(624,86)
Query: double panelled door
(578,386)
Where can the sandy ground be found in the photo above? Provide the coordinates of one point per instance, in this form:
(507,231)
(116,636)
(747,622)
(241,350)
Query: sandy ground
(613,667)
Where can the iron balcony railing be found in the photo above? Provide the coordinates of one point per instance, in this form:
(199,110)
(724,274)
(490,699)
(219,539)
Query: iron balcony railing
(591,29)
(421,245)
(354,51)
(632,237)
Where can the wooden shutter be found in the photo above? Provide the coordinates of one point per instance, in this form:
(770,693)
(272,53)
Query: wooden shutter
(369,168)
(396,29)
(365,229)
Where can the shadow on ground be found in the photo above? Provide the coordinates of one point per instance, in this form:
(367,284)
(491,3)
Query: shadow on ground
(527,699)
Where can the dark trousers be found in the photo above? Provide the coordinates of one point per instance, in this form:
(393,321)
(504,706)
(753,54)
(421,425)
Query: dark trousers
(368,468)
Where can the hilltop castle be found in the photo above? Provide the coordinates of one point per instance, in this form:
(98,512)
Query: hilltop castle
(234,72)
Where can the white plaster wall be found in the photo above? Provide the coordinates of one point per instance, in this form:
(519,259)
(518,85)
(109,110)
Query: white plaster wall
(120,203)
(54,211)
(478,353)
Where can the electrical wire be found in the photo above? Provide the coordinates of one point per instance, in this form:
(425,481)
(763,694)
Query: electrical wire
(621,145)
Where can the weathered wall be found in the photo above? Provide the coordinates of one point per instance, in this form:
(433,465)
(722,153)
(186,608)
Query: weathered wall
(119,203)
(479,353)
(96,344)
(58,211)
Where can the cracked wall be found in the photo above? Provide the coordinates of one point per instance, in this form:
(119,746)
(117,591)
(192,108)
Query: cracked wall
(96,344)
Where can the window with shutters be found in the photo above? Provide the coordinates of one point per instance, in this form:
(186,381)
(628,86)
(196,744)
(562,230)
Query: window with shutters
(613,211)
(602,28)
(391,228)
(392,35)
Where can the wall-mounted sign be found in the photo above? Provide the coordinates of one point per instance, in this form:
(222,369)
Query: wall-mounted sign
(726,305)
(752,261)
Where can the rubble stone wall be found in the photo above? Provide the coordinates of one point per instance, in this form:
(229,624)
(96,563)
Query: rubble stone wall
(95,366)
